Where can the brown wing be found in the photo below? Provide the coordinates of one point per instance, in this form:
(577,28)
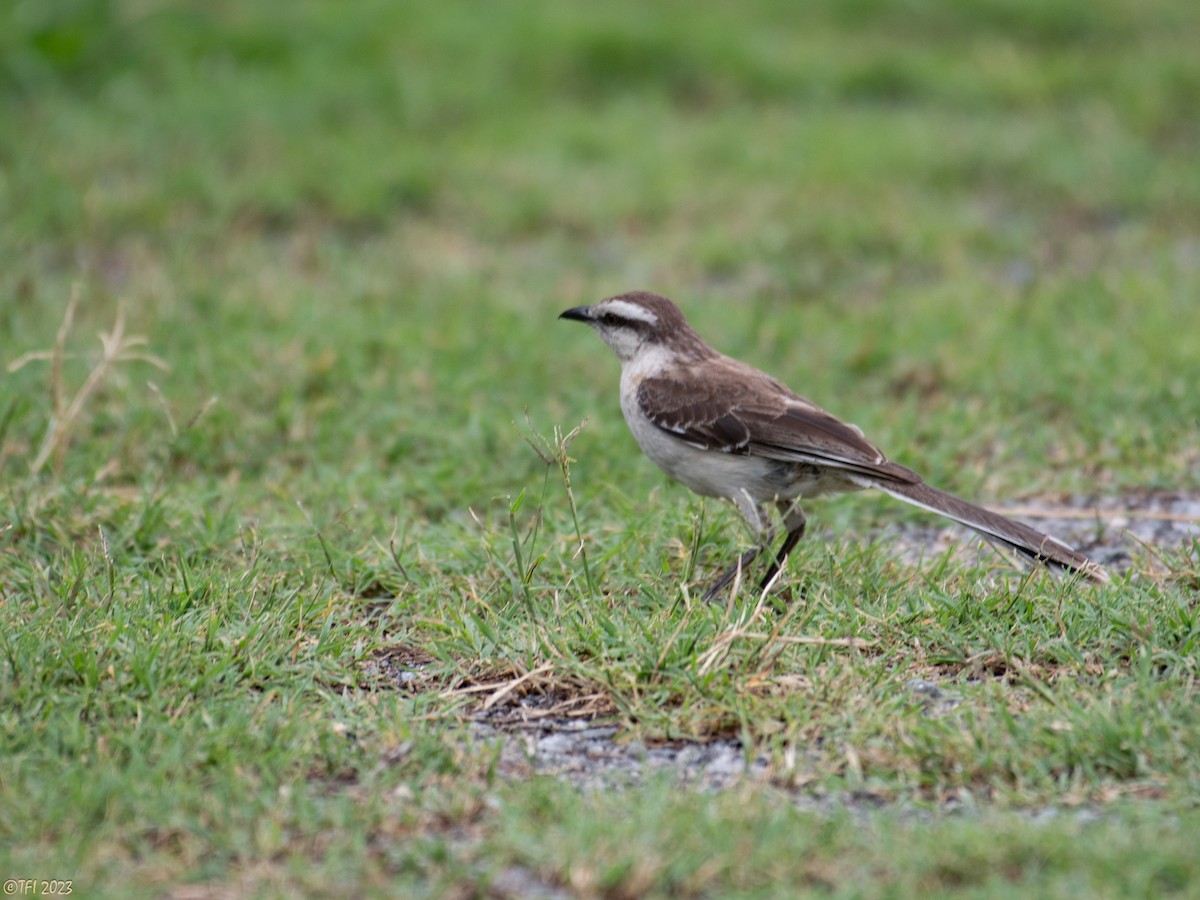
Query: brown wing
(747,412)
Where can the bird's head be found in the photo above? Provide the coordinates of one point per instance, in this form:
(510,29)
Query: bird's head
(636,321)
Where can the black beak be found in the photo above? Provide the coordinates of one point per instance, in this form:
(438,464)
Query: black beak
(578,313)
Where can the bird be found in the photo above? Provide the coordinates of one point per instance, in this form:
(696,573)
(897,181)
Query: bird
(726,429)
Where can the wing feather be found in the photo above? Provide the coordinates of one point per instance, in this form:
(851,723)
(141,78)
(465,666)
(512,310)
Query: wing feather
(753,414)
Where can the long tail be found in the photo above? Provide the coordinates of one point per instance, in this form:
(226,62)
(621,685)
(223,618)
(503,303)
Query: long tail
(1028,542)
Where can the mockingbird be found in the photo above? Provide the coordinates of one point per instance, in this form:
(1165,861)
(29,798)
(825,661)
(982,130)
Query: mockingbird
(725,429)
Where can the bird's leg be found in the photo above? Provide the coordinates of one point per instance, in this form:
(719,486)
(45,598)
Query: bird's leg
(764,534)
(794,521)
(741,565)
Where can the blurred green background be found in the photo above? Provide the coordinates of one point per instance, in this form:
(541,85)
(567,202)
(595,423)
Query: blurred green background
(373,210)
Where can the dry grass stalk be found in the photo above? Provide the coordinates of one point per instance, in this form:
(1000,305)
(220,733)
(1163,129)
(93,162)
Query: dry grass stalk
(116,347)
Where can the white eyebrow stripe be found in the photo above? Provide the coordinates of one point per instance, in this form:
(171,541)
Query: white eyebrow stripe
(627,310)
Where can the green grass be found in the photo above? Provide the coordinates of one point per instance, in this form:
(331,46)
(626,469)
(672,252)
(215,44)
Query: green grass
(346,232)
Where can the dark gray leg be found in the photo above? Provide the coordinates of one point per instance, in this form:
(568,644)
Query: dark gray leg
(718,586)
(794,521)
(756,517)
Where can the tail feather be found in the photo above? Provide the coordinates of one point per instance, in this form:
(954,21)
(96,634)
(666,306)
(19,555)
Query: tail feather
(1028,542)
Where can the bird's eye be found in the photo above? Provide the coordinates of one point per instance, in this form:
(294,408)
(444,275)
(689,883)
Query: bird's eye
(610,319)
